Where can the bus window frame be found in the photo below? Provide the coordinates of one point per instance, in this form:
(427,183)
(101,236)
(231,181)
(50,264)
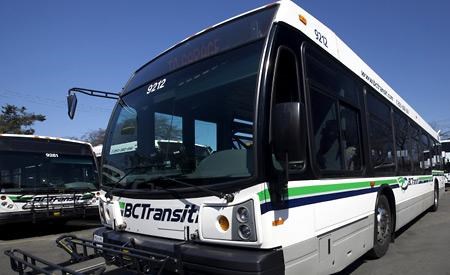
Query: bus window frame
(383,100)
(358,106)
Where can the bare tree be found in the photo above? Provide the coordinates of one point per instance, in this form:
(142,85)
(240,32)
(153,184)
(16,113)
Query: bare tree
(442,127)
(94,137)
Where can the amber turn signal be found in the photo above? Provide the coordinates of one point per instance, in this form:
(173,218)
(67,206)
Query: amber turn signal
(223,223)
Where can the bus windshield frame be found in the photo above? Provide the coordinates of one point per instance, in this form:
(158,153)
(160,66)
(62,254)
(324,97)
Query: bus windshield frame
(213,95)
(234,33)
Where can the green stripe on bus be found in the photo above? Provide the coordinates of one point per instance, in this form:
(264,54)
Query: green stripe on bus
(425,178)
(437,173)
(20,198)
(316,189)
(308,190)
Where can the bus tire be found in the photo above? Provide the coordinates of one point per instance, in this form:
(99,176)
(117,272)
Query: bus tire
(383,227)
(435,206)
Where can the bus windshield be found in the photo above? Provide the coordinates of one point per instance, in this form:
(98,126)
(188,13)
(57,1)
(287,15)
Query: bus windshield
(46,172)
(197,125)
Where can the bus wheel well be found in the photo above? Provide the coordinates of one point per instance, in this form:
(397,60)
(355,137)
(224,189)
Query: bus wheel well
(389,194)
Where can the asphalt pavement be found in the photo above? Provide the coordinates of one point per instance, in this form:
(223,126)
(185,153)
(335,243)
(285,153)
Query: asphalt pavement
(421,247)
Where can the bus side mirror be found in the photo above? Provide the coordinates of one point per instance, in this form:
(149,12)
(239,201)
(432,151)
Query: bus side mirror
(71,105)
(289,135)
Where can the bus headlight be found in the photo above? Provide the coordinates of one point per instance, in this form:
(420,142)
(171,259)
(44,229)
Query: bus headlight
(244,232)
(242,214)
(235,223)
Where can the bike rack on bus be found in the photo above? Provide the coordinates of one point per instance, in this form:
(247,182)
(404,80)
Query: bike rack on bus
(81,250)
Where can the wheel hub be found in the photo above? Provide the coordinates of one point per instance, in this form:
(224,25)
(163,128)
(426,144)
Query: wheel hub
(383,225)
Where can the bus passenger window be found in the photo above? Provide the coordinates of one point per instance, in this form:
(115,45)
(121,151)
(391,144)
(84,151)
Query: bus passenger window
(415,151)
(380,134)
(401,143)
(335,115)
(350,138)
(326,132)
(426,153)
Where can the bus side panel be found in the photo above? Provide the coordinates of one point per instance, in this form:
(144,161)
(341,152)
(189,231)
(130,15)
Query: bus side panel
(350,242)
(412,201)
(297,226)
(336,213)
(302,258)
(332,251)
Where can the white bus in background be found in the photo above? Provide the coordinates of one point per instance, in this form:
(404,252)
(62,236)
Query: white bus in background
(44,178)
(315,159)
(446,158)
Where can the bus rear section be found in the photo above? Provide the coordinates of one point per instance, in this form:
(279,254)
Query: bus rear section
(45,178)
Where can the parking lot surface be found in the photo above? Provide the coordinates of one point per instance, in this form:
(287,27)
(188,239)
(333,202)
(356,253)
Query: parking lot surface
(422,247)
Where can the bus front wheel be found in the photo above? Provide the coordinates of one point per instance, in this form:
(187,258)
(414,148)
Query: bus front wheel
(435,206)
(382,228)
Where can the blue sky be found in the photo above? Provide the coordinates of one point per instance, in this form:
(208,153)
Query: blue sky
(46,47)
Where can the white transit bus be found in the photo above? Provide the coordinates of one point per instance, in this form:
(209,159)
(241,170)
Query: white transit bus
(314,159)
(44,178)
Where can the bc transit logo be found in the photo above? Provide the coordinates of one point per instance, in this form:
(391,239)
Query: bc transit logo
(403,183)
(146,212)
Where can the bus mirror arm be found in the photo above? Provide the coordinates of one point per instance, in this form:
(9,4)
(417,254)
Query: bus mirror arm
(289,145)
(72,98)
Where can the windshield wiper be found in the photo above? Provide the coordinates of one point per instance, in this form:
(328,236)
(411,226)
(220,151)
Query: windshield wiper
(226,196)
(114,185)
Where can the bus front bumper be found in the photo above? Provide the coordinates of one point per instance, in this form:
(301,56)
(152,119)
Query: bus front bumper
(48,214)
(198,258)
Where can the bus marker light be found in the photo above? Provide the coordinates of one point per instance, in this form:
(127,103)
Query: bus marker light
(3,197)
(278,222)
(372,184)
(302,19)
